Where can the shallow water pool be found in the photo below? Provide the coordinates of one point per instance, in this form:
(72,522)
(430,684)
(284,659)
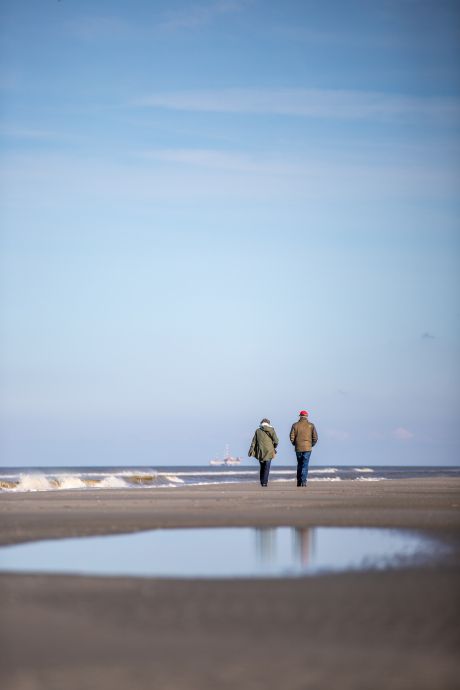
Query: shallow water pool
(225,552)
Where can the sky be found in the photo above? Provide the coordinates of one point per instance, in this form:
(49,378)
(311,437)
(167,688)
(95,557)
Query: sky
(214,212)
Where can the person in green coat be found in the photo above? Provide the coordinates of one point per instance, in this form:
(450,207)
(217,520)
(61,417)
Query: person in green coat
(263,448)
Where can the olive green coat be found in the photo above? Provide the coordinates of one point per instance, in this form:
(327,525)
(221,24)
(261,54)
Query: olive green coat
(303,435)
(264,442)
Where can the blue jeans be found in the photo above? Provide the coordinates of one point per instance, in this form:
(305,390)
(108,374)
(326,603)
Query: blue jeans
(264,471)
(303,458)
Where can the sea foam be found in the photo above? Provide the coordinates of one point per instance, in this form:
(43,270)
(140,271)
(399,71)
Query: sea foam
(174,479)
(70,482)
(111,482)
(325,479)
(34,482)
(40,482)
(370,479)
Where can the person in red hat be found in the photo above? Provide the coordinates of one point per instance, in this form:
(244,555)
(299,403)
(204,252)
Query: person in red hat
(303,437)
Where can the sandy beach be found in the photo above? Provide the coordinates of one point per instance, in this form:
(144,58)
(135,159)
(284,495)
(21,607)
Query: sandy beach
(377,629)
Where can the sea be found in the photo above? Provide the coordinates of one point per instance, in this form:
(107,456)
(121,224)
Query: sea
(25,479)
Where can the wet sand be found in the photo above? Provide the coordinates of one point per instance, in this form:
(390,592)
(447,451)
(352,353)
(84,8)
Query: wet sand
(369,630)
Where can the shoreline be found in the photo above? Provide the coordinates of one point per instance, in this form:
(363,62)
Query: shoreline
(425,504)
(395,629)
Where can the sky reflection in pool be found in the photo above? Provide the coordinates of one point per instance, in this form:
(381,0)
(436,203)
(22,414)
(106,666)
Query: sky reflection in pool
(224,552)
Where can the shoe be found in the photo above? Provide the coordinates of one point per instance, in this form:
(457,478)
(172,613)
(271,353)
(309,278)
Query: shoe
(264,484)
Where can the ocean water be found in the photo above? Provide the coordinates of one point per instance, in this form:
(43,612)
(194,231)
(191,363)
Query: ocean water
(227,552)
(23,479)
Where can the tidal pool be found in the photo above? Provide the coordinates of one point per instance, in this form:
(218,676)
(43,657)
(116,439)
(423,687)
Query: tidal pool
(225,552)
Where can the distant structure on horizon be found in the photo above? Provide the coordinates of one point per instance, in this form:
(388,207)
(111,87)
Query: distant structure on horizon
(227,459)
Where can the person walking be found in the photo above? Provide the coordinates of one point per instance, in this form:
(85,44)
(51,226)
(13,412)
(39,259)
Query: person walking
(303,437)
(263,448)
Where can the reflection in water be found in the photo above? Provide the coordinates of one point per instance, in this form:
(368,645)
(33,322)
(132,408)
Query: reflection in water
(265,545)
(303,545)
(226,552)
(268,551)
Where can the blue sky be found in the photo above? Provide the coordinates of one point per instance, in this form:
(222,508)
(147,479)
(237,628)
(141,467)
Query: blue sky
(219,211)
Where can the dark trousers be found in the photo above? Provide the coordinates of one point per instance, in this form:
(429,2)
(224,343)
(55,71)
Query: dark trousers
(264,471)
(303,458)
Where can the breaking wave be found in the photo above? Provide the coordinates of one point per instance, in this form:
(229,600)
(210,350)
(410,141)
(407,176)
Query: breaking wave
(325,479)
(112,483)
(370,479)
(174,479)
(35,481)
(115,478)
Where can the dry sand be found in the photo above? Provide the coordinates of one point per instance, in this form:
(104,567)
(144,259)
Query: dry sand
(369,630)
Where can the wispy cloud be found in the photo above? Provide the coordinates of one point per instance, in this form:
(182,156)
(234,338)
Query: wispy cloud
(230,161)
(193,16)
(427,336)
(97,27)
(310,175)
(313,103)
(212,174)
(402,434)
(14,132)
(94,27)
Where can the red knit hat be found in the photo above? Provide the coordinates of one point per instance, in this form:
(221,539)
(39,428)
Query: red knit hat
(303,413)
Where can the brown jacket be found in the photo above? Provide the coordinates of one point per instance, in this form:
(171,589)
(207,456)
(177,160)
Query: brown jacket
(303,435)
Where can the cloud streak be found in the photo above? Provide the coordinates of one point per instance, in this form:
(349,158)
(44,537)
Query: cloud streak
(99,27)
(28,133)
(229,161)
(103,27)
(402,434)
(210,174)
(310,103)
(198,15)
